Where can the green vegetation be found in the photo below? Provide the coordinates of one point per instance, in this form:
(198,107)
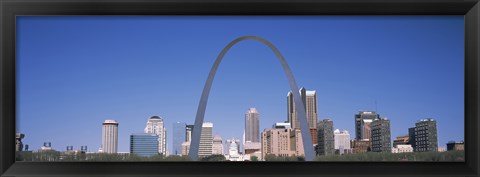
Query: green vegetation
(215,157)
(411,156)
(53,156)
(272,157)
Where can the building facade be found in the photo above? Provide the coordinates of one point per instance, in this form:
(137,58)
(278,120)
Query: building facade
(282,142)
(341,141)
(360,146)
(234,151)
(178,137)
(252,125)
(325,137)
(109,136)
(309,99)
(401,140)
(144,144)
(217,146)
(155,125)
(381,139)
(402,148)
(425,135)
(455,146)
(361,120)
(206,140)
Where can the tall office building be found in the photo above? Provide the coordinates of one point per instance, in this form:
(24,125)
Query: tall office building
(110,136)
(179,136)
(144,144)
(381,140)
(206,140)
(217,147)
(326,145)
(309,99)
(425,135)
(252,128)
(362,124)
(188,133)
(281,141)
(155,125)
(341,140)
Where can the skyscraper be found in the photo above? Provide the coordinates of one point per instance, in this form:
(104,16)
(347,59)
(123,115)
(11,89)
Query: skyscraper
(155,125)
(217,147)
(252,128)
(309,99)
(206,140)
(381,140)
(144,144)
(362,127)
(179,136)
(110,136)
(326,144)
(425,135)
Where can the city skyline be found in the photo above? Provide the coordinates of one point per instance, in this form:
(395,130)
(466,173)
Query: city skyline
(125,69)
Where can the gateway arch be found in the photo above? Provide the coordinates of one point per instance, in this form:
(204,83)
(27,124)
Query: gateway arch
(306,136)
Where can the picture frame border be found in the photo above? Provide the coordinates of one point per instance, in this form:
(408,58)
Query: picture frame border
(10,9)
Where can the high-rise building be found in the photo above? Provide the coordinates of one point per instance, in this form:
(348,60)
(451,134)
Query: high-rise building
(179,136)
(206,140)
(381,140)
(366,128)
(155,125)
(217,146)
(341,140)
(144,144)
(110,136)
(362,121)
(187,139)
(411,137)
(326,145)
(309,99)
(252,125)
(425,135)
(281,140)
(188,133)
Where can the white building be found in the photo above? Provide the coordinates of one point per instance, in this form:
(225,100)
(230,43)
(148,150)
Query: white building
(402,148)
(185,148)
(155,125)
(109,136)
(341,140)
(234,151)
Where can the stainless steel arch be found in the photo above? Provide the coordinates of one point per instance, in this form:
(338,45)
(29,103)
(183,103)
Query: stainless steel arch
(306,136)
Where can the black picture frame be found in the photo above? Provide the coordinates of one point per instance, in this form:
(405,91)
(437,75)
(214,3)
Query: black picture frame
(12,8)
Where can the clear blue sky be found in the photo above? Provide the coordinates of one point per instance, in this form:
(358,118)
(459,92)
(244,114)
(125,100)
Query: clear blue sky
(74,72)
